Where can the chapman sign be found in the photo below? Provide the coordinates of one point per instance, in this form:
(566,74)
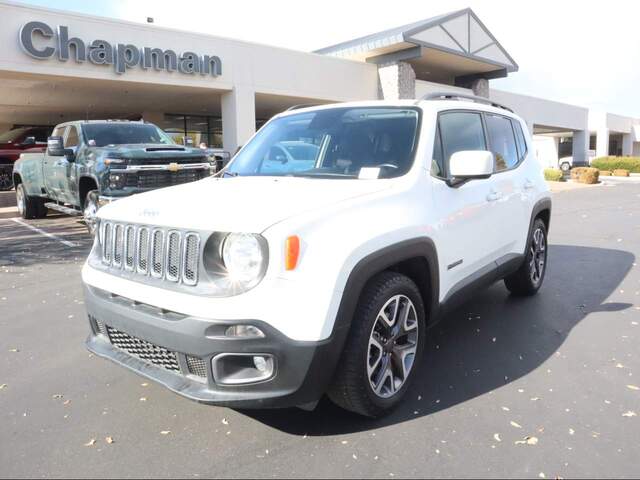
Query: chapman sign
(121,56)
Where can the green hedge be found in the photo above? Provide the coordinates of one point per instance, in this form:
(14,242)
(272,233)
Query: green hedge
(553,175)
(617,163)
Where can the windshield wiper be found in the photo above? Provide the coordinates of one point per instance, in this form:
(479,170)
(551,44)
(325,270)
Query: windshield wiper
(224,173)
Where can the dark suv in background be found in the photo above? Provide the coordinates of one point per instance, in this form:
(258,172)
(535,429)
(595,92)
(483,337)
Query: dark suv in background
(15,142)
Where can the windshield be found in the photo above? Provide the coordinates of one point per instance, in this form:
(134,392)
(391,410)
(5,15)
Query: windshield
(103,134)
(13,135)
(355,142)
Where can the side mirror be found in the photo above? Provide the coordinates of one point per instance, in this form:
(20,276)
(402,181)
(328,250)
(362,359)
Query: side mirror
(55,147)
(470,165)
(29,141)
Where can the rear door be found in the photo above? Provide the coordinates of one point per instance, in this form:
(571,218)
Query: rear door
(469,227)
(508,184)
(52,182)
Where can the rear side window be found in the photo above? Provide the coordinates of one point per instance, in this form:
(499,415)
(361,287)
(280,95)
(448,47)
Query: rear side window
(502,141)
(461,131)
(522,143)
(437,162)
(72,138)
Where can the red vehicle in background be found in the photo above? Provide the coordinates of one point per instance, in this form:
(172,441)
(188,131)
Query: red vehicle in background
(18,141)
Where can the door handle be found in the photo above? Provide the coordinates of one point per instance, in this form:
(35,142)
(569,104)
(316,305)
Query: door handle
(528,184)
(494,196)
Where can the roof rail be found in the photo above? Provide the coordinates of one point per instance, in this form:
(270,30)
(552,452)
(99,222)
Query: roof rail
(463,96)
(302,105)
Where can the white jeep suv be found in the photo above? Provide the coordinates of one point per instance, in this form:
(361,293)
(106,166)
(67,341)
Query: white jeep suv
(319,271)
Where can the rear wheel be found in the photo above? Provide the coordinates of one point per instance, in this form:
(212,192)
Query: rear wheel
(565,167)
(29,207)
(384,347)
(529,277)
(6,182)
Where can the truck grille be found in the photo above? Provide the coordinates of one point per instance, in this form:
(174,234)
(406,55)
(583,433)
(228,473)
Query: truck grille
(160,179)
(170,255)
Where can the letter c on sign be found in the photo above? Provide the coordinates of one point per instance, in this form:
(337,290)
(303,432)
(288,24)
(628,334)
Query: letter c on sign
(26,39)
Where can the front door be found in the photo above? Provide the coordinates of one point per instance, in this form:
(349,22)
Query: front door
(471,228)
(50,169)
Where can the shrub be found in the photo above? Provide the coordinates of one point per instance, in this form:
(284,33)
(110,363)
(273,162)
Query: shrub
(617,163)
(589,175)
(621,172)
(553,175)
(605,173)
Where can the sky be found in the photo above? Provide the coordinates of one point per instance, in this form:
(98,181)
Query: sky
(579,52)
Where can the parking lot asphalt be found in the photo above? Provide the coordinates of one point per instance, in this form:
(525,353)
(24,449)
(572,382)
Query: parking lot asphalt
(540,387)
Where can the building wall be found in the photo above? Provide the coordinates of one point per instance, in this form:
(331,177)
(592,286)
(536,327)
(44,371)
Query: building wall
(262,68)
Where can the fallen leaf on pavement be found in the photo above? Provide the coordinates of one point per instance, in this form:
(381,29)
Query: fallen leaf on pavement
(109,440)
(144,384)
(506,409)
(3,386)
(66,402)
(143,399)
(14,350)
(165,432)
(225,421)
(497,438)
(633,387)
(528,441)
(57,396)
(630,414)
(571,431)
(90,443)
(515,425)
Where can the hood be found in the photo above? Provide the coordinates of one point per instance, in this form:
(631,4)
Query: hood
(154,151)
(240,204)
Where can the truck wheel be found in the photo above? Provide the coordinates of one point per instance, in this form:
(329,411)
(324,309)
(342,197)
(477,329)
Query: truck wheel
(565,167)
(29,207)
(6,182)
(529,277)
(90,210)
(384,347)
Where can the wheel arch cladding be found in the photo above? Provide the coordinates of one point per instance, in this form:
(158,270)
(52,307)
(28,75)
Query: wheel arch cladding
(542,210)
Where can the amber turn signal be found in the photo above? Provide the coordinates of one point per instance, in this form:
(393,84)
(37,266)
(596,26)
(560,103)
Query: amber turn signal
(292,251)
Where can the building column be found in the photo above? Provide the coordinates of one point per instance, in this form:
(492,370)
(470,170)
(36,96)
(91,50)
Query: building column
(602,142)
(238,117)
(157,118)
(627,145)
(480,87)
(396,81)
(580,147)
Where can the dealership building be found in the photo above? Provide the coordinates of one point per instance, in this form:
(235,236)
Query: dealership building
(57,66)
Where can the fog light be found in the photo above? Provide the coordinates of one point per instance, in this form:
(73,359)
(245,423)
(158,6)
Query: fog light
(244,331)
(261,364)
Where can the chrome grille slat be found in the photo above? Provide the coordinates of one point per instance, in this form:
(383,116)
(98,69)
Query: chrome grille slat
(170,255)
(118,245)
(157,253)
(129,247)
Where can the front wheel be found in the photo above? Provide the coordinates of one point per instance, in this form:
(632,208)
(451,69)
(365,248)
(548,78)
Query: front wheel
(529,277)
(90,210)
(384,347)
(565,167)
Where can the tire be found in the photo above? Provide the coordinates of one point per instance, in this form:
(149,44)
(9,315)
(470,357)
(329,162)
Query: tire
(565,167)
(89,210)
(529,277)
(363,362)
(6,180)
(29,207)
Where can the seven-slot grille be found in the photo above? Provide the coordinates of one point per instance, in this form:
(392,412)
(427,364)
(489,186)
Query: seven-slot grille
(171,255)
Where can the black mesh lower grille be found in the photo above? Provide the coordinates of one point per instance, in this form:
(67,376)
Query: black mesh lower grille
(197,366)
(143,350)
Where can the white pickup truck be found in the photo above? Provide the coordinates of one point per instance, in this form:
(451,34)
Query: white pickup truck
(321,273)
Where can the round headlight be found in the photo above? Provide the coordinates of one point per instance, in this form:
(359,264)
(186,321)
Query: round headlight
(243,257)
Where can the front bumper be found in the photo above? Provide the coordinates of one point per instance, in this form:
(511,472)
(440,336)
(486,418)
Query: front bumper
(303,370)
